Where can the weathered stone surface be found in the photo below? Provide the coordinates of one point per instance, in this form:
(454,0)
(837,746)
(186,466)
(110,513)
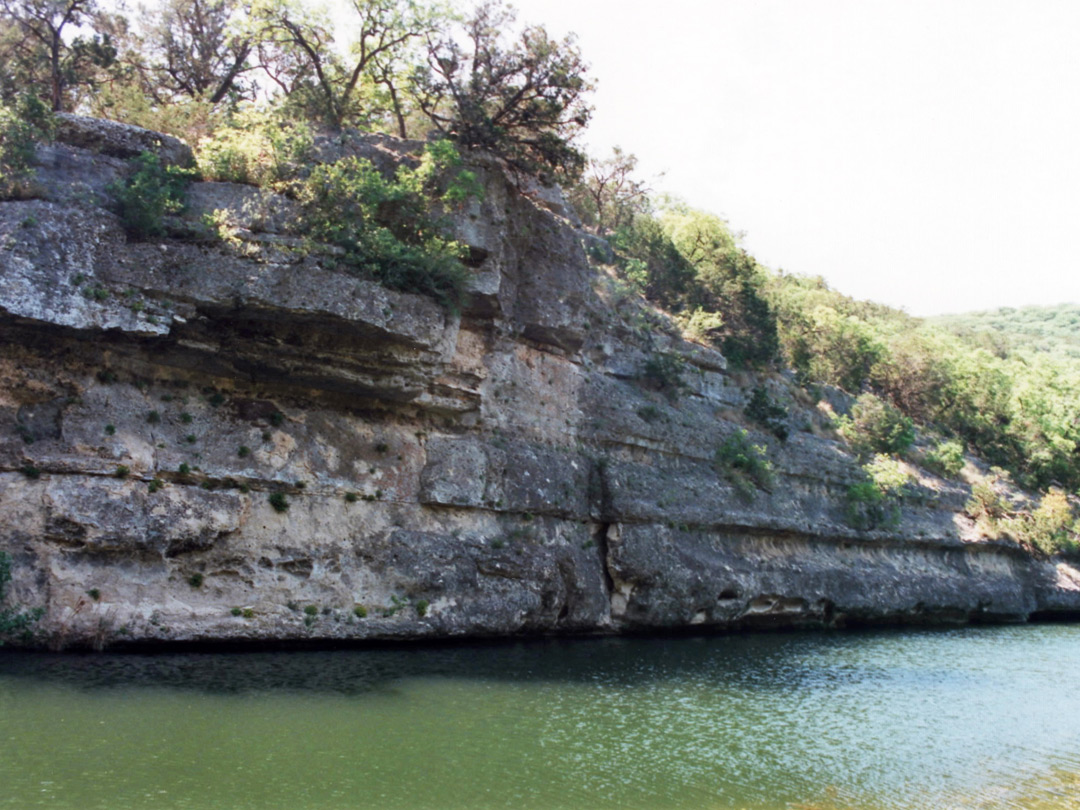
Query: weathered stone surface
(120,140)
(673,577)
(507,471)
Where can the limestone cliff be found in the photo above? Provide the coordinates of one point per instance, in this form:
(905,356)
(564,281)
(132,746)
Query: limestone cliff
(500,472)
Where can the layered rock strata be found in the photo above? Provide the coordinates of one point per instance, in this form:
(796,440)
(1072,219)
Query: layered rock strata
(503,471)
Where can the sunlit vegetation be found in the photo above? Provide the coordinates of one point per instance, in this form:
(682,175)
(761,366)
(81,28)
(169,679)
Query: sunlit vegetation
(258,88)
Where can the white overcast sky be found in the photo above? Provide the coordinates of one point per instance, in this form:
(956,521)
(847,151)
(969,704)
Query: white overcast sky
(924,154)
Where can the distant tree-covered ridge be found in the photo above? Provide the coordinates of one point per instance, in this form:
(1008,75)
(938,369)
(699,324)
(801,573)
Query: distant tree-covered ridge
(1005,385)
(1053,330)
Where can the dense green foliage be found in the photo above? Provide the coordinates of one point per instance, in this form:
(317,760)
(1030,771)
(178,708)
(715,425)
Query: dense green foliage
(188,67)
(875,502)
(689,263)
(1052,330)
(383,225)
(257,146)
(1018,409)
(946,458)
(744,464)
(150,192)
(14,623)
(761,409)
(1052,527)
(23,122)
(875,426)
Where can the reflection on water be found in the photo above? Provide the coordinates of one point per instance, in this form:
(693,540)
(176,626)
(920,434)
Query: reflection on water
(974,718)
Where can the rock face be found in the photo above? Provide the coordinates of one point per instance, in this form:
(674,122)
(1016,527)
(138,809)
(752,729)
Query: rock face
(504,471)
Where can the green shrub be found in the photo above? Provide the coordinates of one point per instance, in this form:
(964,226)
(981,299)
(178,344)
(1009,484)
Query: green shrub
(663,373)
(946,459)
(1052,528)
(650,413)
(122,471)
(279,502)
(888,474)
(866,508)
(258,147)
(155,485)
(422,608)
(875,503)
(311,610)
(360,612)
(30,471)
(148,194)
(22,125)
(384,226)
(703,325)
(987,506)
(875,426)
(744,464)
(14,623)
(195,580)
(763,411)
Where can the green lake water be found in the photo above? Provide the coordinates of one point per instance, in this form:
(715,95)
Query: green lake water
(968,718)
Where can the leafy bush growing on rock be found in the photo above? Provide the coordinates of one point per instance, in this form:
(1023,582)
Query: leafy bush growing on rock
(258,147)
(21,126)
(762,410)
(946,458)
(1051,527)
(744,464)
(384,226)
(875,502)
(148,194)
(875,426)
(14,623)
(663,373)
(987,506)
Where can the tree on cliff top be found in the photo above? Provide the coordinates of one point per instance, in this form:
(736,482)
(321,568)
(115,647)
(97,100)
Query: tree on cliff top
(45,45)
(608,195)
(523,99)
(199,50)
(299,55)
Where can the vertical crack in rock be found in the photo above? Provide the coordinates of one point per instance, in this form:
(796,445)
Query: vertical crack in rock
(601,539)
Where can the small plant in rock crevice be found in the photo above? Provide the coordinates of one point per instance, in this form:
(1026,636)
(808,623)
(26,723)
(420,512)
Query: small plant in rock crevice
(875,503)
(745,464)
(664,373)
(14,622)
(152,191)
(762,410)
